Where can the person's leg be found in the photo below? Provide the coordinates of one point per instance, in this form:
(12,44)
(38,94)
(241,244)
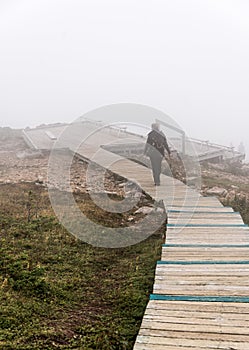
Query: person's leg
(156,164)
(158,167)
(153,167)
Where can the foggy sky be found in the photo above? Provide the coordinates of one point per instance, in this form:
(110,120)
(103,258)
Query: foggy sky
(189,58)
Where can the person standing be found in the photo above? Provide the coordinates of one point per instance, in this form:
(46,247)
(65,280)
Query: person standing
(155,147)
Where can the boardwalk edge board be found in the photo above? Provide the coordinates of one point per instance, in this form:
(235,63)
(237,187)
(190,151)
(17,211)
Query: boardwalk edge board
(205,245)
(221,299)
(207,225)
(203,262)
(202,212)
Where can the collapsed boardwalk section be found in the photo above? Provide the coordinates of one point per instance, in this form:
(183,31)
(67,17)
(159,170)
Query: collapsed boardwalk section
(201,291)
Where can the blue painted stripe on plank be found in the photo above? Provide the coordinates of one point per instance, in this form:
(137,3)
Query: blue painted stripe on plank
(207,225)
(202,212)
(198,206)
(203,262)
(206,245)
(225,299)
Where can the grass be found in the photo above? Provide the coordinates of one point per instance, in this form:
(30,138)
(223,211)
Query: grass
(57,292)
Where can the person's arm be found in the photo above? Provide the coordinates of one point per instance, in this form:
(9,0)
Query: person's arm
(165,144)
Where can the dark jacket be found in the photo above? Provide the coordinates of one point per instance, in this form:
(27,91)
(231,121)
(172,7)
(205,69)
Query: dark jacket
(158,141)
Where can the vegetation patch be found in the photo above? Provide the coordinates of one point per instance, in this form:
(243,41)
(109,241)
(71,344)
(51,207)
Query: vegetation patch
(57,292)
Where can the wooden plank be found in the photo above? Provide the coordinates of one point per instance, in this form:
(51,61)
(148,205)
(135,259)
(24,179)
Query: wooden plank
(201,288)
(215,327)
(198,257)
(204,268)
(196,314)
(233,307)
(196,246)
(199,207)
(205,224)
(205,218)
(193,335)
(189,343)
(206,239)
(204,253)
(204,214)
(209,250)
(213,231)
(163,347)
(200,210)
(196,319)
(186,202)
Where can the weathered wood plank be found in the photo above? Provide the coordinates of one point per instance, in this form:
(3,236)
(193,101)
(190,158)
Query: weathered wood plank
(164,347)
(197,328)
(191,343)
(204,253)
(193,335)
(240,308)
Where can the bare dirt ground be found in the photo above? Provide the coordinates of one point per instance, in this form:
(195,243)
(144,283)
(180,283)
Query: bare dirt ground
(19,163)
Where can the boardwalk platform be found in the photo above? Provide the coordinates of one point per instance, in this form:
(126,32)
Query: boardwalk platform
(200,297)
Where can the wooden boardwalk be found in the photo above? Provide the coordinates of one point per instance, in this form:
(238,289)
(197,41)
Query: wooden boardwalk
(200,297)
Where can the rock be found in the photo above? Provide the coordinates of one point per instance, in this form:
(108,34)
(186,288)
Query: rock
(137,195)
(217,191)
(230,196)
(39,184)
(191,181)
(40,179)
(122,185)
(242,196)
(111,193)
(144,210)
(234,187)
(160,210)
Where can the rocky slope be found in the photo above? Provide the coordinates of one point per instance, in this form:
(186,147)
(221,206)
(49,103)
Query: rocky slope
(225,180)
(18,163)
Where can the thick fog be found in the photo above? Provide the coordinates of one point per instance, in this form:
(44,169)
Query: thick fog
(189,58)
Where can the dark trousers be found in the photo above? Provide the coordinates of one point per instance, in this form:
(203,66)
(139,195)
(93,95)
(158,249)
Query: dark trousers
(156,164)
